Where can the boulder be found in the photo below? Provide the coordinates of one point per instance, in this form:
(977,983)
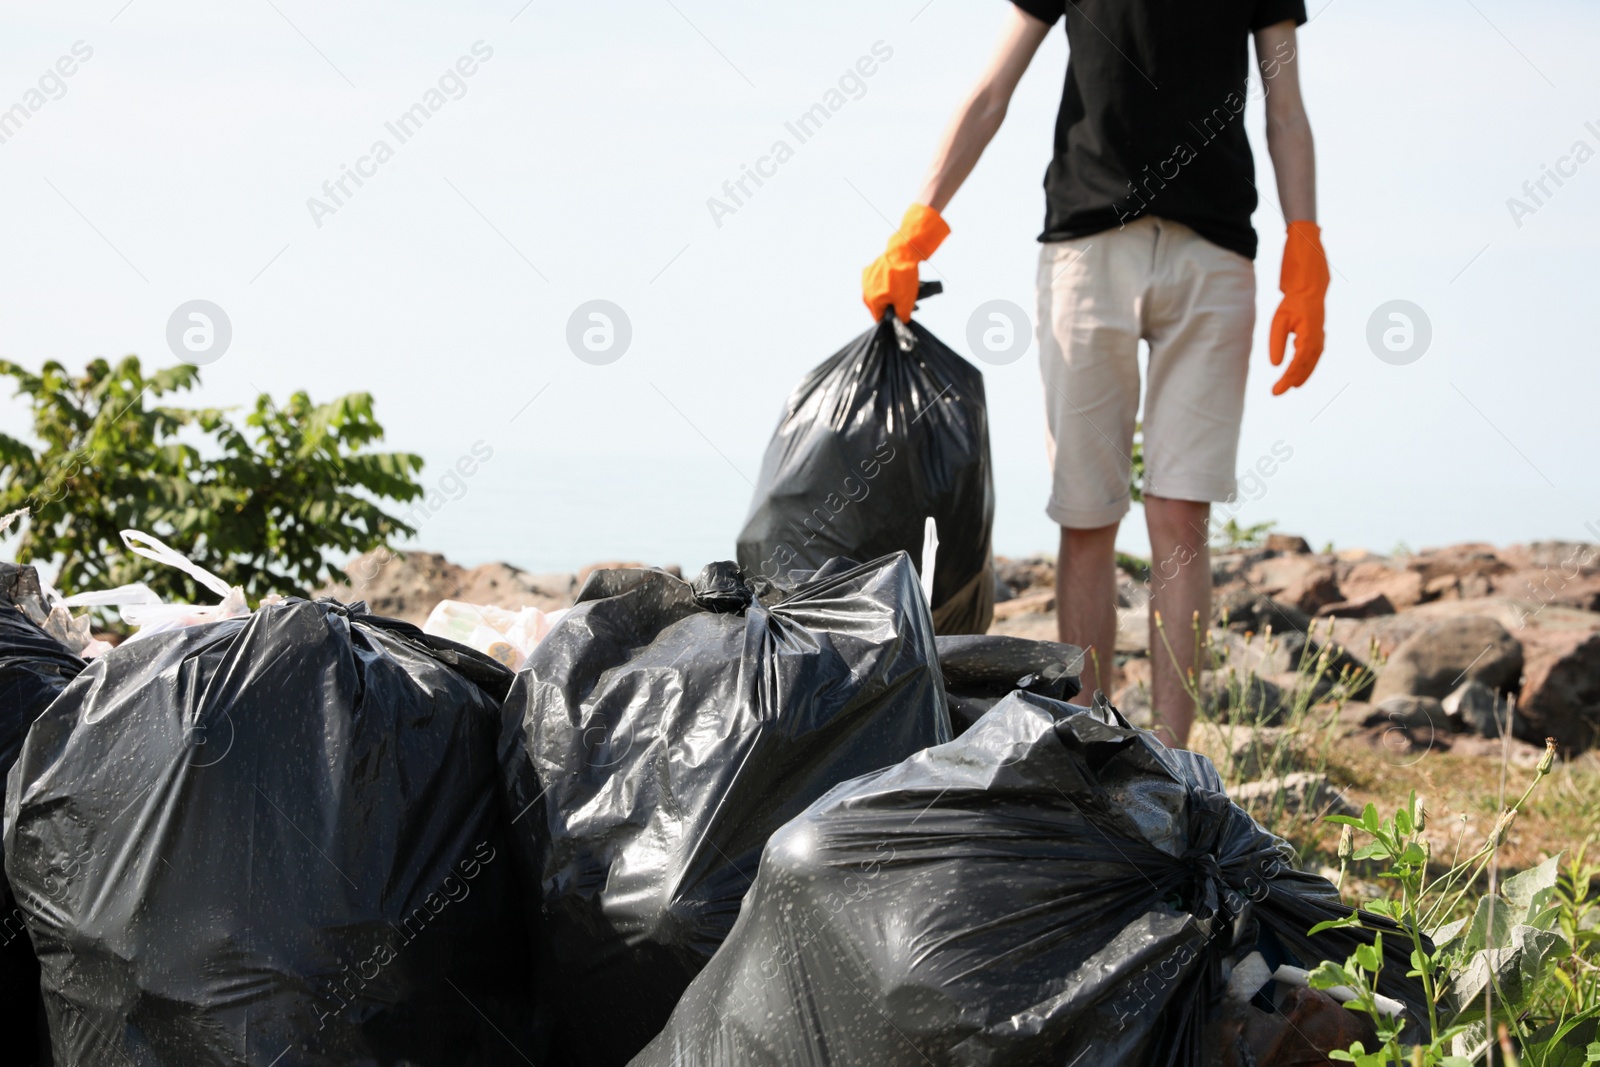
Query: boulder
(401,585)
(1133,700)
(512,588)
(1246,611)
(1306,581)
(1561,691)
(1233,696)
(1436,659)
(1022,575)
(1032,602)
(1246,753)
(1458,561)
(1401,586)
(1300,791)
(1407,712)
(1364,607)
(1292,544)
(1474,708)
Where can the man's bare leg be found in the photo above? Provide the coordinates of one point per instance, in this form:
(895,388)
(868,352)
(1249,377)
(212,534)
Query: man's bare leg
(1086,603)
(1180,586)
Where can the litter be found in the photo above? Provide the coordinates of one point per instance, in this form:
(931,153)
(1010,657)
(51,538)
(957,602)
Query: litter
(982,669)
(503,635)
(888,434)
(34,668)
(662,732)
(1054,886)
(273,838)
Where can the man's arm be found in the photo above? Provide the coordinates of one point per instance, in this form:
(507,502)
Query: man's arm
(890,281)
(1303,277)
(1294,159)
(980,114)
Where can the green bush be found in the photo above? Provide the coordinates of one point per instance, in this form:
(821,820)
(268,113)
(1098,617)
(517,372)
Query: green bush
(263,501)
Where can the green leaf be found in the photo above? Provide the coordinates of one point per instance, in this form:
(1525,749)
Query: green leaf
(1353,919)
(1369,958)
(1369,819)
(1447,933)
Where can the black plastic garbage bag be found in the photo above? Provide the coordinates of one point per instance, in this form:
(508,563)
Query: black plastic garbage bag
(980,670)
(889,431)
(1054,887)
(34,669)
(659,735)
(273,839)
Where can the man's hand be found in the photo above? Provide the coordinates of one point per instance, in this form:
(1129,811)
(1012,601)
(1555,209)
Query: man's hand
(891,279)
(1304,283)
(1304,280)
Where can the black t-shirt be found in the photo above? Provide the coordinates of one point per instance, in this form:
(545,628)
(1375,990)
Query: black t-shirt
(1152,116)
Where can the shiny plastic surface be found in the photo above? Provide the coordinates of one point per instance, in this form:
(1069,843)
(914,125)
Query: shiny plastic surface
(980,670)
(872,443)
(34,669)
(661,733)
(273,839)
(1053,887)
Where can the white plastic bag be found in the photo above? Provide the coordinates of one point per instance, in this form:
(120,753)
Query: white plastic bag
(156,617)
(508,636)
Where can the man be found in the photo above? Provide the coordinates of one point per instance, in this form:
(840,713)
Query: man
(1147,237)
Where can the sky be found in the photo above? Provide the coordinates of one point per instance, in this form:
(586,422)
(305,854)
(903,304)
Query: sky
(576,156)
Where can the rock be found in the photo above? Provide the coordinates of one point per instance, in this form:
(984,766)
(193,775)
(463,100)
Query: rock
(1369,606)
(1474,708)
(1035,626)
(1240,697)
(1002,591)
(1405,745)
(1257,653)
(1401,585)
(1131,593)
(1133,630)
(1407,712)
(1458,561)
(1435,660)
(1022,575)
(1300,791)
(1133,701)
(401,585)
(511,587)
(1245,753)
(1352,714)
(1561,691)
(1286,543)
(1444,587)
(1245,611)
(1569,558)
(1308,582)
(1030,603)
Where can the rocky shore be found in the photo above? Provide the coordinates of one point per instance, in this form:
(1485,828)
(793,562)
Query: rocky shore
(1444,645)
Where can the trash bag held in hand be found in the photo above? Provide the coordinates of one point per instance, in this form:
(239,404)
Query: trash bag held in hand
(34,668)
(1052,887)
(890,431)
(274,838)
(661,732)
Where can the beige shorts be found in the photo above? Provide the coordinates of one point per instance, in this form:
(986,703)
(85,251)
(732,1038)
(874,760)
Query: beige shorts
(1195,304)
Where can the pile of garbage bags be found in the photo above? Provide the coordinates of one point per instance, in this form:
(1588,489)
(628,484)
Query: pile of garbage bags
(1054,886)
(749,819)
(889,432)
(273,838)
(661,734)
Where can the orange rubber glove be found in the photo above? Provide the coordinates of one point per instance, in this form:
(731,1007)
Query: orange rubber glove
(1304,283)
(891,280)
